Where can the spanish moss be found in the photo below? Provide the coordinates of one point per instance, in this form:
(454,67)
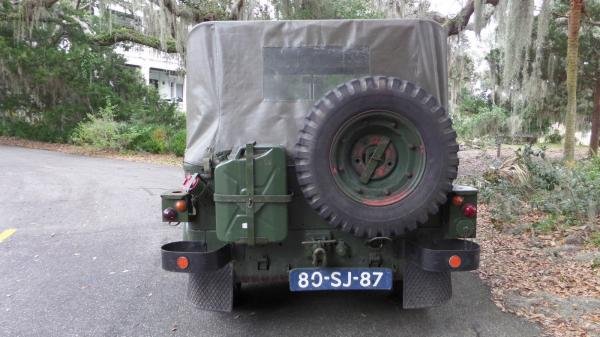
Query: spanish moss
(517,27)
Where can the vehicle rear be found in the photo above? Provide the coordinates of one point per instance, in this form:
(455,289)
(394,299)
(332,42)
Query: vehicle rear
(320,153)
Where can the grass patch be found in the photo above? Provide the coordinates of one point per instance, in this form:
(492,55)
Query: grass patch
(595,240)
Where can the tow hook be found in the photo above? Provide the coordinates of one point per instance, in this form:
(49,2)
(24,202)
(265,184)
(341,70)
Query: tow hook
(317,249)
(319,257)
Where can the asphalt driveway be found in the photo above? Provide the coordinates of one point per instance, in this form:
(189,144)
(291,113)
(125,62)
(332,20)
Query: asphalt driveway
(84,260)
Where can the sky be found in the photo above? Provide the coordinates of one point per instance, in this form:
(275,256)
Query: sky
(447,7)
(478,46)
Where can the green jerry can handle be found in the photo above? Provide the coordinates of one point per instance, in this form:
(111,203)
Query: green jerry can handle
(251,200)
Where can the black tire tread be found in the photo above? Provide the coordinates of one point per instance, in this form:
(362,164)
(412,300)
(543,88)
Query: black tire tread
(318,114)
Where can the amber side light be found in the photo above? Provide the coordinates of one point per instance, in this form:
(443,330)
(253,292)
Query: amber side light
(182,262)
(457,200)
(181,206)
(454,261)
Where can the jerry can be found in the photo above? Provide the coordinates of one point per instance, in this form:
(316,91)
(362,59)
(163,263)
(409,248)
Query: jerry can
(251,196)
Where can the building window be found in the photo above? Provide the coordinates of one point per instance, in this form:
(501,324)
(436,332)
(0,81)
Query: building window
(179,92)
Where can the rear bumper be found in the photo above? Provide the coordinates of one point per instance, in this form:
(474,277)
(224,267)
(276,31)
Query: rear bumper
(428,256)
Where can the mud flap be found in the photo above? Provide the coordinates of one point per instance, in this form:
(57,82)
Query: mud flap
(422,289)
(212,290)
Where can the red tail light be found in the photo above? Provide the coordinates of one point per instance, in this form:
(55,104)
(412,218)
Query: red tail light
(470,211)
(169,214)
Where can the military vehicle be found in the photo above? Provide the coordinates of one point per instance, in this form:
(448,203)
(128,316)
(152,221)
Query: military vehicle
(320,153)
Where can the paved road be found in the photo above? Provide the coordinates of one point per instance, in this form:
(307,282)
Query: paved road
(84,261)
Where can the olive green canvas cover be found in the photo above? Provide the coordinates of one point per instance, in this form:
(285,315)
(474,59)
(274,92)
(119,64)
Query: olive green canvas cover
(256,80)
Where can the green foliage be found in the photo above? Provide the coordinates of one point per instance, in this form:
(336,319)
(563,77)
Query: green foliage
(476,117)
(489,122)
(150,139)
(547,224)
(469,105)
(102,131)
(595,240)
(60,84)
(569,196)
(554,138)
(177,143)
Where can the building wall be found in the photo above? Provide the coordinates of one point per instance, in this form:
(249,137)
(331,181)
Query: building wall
(160,69)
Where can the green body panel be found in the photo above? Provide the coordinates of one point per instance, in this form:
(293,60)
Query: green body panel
(251,196)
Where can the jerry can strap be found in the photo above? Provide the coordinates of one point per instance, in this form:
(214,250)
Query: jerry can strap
(250,199)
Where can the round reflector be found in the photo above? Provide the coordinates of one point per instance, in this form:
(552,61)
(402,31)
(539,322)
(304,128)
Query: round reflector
(454,261)
(180,205)
(182,262)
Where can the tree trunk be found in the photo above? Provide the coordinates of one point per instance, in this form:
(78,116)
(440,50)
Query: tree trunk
(572,61)
(595,120)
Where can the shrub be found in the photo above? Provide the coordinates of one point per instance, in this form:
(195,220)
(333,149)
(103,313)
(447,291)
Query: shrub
(177,143)
(102,131)
(554,138)
(151,139)
(569,196)
(489,122)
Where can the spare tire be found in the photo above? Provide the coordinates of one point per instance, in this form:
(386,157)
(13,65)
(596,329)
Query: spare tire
(376,156)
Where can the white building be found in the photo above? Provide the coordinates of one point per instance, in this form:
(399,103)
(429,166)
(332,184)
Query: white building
(162,70)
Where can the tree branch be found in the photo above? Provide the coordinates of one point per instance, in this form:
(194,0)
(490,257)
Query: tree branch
(460,21)
(130,35)
(191,11)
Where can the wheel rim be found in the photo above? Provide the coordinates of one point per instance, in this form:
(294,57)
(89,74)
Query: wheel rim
(377,158)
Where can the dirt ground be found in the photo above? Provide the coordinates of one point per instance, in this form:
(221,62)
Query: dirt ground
(549,279)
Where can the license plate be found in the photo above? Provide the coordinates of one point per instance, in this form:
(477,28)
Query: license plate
(311,279)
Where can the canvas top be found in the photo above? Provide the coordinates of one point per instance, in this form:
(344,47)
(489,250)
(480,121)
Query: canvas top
(256,80)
